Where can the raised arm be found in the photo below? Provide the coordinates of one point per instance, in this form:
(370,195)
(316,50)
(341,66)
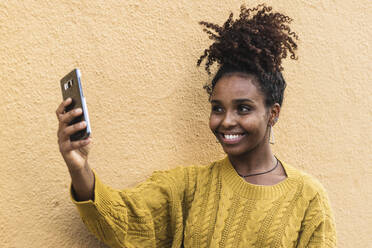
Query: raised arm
(149,215)
(75,153)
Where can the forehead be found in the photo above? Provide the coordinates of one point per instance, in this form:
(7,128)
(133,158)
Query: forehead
(235,87)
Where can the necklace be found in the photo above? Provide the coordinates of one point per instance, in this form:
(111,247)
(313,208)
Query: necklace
(265,172)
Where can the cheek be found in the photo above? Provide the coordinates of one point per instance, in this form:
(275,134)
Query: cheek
(253,125)
(213,123)
(248,125)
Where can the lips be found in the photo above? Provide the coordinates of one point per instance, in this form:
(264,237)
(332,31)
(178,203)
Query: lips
(231,138)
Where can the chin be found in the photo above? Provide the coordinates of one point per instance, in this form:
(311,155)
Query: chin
(234,151)
(239,150)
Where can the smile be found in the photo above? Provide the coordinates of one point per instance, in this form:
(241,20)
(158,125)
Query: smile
(231,138)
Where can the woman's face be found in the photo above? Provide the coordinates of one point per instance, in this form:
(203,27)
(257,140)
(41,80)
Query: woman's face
(239,118)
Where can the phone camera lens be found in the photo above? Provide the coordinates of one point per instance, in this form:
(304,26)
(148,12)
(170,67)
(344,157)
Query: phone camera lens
(68,84)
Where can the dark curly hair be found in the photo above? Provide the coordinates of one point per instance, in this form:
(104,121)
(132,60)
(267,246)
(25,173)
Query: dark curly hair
(255,43)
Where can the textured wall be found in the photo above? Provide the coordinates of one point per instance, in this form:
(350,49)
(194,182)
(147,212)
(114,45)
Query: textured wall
(148,109)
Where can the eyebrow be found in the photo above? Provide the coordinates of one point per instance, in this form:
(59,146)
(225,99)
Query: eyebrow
(239,100)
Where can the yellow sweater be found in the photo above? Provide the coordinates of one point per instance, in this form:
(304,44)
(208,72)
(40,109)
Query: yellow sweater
(211,206)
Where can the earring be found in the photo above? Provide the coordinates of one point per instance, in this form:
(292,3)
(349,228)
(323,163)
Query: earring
(271,136)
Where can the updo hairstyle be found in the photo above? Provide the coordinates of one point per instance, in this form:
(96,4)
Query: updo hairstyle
(253,44)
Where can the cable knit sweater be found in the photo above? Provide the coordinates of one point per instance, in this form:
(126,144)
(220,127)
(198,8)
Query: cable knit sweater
(211,206)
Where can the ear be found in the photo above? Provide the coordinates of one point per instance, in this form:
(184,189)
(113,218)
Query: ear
(274,112)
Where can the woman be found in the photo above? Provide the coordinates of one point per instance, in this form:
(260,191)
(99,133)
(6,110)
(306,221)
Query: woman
(248,199)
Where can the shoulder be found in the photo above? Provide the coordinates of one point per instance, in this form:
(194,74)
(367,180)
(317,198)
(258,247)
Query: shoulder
(187,170)
(311,186)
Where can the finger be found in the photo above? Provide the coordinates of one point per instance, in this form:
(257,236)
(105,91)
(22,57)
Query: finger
(70,146)
(60,111)
(66,132)
(66,118)
(61,108)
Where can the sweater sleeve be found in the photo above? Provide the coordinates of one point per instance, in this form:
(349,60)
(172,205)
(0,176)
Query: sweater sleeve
(318,228)
(149,215)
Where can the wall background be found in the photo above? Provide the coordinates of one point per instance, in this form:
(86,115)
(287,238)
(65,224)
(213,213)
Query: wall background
(149,111)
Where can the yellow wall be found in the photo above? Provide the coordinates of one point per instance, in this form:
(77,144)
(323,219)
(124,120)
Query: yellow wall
(149,111)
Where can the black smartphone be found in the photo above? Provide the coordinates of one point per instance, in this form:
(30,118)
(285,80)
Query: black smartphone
(71,87)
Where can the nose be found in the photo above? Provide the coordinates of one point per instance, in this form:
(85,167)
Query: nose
(229,120)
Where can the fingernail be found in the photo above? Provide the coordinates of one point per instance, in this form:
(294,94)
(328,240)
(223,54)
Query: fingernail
(78,110)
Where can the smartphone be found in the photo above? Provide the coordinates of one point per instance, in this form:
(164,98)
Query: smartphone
(71,87)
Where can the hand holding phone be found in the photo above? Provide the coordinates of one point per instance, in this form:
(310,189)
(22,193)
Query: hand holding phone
(73,135)
(74,127)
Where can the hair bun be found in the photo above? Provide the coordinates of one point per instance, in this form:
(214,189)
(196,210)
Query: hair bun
(257,41)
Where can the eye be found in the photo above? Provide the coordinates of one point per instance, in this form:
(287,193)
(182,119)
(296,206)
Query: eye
(244,109)
(217,109)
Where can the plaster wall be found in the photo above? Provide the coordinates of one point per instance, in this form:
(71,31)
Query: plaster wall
(149,112)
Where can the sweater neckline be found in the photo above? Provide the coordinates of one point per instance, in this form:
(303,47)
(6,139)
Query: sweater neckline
(249,190)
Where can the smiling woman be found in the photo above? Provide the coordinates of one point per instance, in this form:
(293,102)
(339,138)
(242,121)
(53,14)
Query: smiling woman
(239,118)
(242,123)
(248,199)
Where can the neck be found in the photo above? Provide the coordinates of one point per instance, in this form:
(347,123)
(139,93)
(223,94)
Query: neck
(259,159)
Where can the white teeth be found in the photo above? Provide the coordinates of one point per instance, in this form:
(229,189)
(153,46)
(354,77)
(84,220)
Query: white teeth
(232,136)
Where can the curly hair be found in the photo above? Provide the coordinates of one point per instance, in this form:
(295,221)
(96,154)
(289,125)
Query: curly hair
(255,43)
